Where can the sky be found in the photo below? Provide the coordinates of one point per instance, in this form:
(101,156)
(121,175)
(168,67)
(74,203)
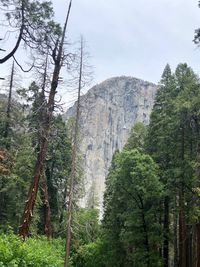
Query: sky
(133,38)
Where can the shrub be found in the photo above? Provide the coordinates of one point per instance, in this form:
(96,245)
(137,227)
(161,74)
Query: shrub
(34,252)
(90,255)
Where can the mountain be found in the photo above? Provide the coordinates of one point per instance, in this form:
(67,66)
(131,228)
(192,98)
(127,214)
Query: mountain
(108,112)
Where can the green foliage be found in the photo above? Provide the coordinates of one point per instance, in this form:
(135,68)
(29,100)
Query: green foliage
(137,136)
(14,185)
(144,194)
(15,123)
(173,142)
(57,169)
(131,206)
(85,226)
(32,19)
(172,137)
(90,255)
(34,252)
(16,164)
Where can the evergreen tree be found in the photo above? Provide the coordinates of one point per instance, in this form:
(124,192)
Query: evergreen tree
(137,137)
(172,142)
(131,207)
(159,145)
(57,169)
(16,159)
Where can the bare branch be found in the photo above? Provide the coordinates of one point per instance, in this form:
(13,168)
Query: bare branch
(8,56)
(21,66)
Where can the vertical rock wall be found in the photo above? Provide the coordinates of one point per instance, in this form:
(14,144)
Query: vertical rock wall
(108,112)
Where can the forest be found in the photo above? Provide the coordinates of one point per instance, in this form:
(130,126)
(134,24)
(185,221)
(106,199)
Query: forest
(151,207)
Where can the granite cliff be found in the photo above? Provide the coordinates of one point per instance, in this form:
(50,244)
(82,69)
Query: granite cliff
(108,112)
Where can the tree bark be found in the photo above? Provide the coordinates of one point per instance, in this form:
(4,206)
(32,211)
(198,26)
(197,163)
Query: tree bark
(146,239)
(8,110)
(166,232)
(11,54)
(46,207)
(73,167)
(197,252)
(182,233)
(182,220)
(30,203)
(175,226)
(198,244)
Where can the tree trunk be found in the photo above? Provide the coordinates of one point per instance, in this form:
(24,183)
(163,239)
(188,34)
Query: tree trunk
(8,110)
(198,184)
(161,225)
(73,167)
(46,207)
(182,220)
(182,233)
(146,239)
(30,203)
(190,247)
(175,226)
(198,244)
(166,232)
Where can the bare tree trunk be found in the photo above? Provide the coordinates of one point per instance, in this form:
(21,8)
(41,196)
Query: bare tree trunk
(8,110)
(30,203)
(46,207)
(73,167)
(44,187)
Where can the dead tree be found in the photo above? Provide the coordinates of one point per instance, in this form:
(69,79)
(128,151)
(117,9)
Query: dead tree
(82,80)
(8,109)
(29,205)
(46,211)
(46,207)
(13,51)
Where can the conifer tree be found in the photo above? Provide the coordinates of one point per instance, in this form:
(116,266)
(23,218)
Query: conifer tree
(131,206)
(172,142)
(158,144)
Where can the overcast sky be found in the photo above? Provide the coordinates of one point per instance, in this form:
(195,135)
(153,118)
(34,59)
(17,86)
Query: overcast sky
(134,38)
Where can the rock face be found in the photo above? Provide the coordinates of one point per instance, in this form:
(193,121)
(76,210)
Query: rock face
(108,112)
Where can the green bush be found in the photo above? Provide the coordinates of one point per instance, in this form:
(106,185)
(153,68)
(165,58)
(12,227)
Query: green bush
(34,252)
(90,255)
